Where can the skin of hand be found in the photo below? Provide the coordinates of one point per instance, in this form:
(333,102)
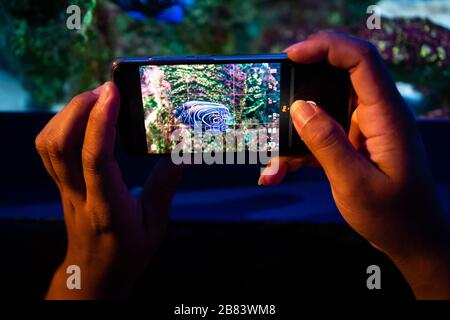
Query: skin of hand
(111,234)
(379,176)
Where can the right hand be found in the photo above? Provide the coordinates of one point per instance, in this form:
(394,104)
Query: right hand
(379,175)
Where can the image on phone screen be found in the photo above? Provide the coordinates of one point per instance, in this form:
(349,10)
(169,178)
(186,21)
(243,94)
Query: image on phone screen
(233,107)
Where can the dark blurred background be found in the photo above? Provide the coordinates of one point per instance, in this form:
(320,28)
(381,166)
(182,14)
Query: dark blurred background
(228,236)
(43,63)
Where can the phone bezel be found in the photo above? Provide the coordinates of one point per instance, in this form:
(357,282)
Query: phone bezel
(125,73)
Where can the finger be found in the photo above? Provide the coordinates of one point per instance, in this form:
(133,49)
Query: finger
(101,172)
(42,151)
(158,193)
(356,137)
(354,133)
(368,73)
(304,161)
(328,142)
(41,145)
(275,171)
(381,113)
(294,163)
(285,164)
(59,143)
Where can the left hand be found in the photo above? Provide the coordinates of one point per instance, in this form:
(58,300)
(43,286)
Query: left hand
(111,234)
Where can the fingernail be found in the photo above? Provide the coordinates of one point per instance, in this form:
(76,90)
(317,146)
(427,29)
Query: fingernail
(106,92)
(98,91)
(302,111)
(293,47)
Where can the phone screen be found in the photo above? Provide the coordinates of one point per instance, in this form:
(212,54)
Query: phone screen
(225,107)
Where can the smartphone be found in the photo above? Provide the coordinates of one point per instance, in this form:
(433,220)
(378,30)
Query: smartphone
(243,99)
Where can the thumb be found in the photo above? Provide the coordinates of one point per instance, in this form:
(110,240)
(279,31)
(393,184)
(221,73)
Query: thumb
(327,141)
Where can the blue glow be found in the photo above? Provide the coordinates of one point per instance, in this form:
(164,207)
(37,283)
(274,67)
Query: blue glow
(173,14)
(137,15)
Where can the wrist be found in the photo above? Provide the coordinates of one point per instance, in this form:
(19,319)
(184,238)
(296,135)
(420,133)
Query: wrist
(97,280)
(425,262)
(426,237)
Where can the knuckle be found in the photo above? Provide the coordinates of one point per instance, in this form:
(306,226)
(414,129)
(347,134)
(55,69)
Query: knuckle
(368,50)
(324,135)
(324,35)
(55,148)
(96,117)
(77,100)
(92,161)
(40,143)
(81,99)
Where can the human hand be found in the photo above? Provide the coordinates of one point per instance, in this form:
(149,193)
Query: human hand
(379,175)
(111,235)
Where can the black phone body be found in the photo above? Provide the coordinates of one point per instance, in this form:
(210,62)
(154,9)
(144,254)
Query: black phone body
(234,96)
